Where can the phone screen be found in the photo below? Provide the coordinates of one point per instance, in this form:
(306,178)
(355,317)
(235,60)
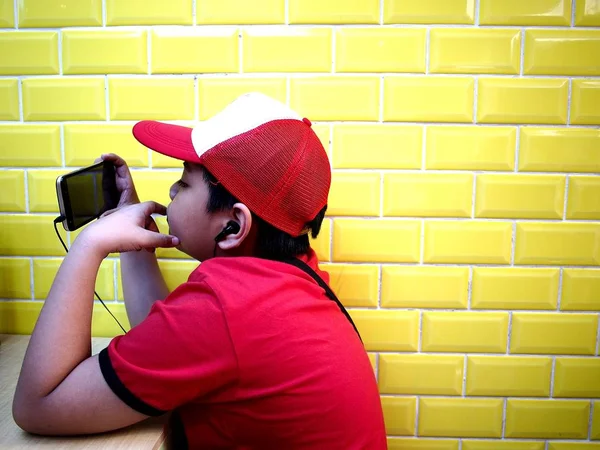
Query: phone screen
(88,193)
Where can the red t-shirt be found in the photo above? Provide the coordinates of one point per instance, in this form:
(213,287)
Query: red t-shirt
(251,354)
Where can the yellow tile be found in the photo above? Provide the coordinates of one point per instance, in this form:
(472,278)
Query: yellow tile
(44,272)
(12,191)
(376,240)
(470,148)
(39,145)
(64,99)
(587,13)
(7,14)
(59,13)
(554,334)
(595,432)
(284,49)
(429,11)
(154,98)
(163,227)
(446,99)
(560,150)
(585,106)
(573,446)
(394,331)
(547,419)
(322,244)
(467,242)
(460,417)
(240,12)
(174,12)
(29,235)
(584,198)
(558,243)
(369,50)
(155,185)
(84,143)
(93,52)
(427,194)
(465,332)
(373,360)
(424,287)
(9,99)
(577,377)
(562,52)
(336,98)
(389,147)
(508,376)
(400,415)
(333,11)
(421,374)
(520,196)
(216,93)
(103,325)
(175,273)
(502,445)
(354,194)
(25,53)
(19,317)
(516,12)
(580,290)
(323,132)
(355,285)
(42,190)
(194,50)
(514,288)
(463,50)
(520,100)
(16,279)
(421,444)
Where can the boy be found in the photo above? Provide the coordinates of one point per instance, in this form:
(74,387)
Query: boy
(250,353)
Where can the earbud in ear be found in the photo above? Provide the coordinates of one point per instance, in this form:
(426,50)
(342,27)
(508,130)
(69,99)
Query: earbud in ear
(231,228)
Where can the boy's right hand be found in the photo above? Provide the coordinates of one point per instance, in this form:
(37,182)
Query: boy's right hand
(124,181)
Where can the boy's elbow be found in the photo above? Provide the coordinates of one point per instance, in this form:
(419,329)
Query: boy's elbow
(26,418)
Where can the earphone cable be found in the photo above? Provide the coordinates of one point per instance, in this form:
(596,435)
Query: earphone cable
(60,219)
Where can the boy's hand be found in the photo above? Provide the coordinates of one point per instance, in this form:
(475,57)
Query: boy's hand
(124,181)
(130,228)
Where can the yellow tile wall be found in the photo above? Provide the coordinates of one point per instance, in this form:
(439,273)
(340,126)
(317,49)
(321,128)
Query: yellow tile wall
(463,229)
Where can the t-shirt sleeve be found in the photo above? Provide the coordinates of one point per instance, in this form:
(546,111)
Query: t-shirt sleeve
(181,352)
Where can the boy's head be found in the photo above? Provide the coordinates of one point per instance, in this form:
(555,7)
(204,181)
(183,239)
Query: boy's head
(256,165)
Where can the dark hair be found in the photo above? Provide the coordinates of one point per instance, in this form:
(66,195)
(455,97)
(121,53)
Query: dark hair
(271,242)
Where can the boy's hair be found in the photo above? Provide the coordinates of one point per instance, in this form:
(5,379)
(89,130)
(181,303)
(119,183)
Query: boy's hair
(271,243)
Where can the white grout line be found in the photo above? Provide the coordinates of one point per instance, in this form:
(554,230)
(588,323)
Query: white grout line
(31,279)
(381,6)
(417,412)
(380,281)
(552,372)
(566,204)
(517,148)
(104,13)
(477,9)
(106,102)
(60,53)
(26,178)
(464,381)
(16,13)
(510,314)
(560,288)
(504,408)
(427,50)
(194,12)
(522,65)
(422,244)
(287,12)
(20,99)
(513,243)
(420,346)
(569,99)
(473,195)
(470,288)
(475,98)
(573,9)
(63,159)
(591,420)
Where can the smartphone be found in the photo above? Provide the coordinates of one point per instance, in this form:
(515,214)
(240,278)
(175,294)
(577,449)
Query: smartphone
(85,194)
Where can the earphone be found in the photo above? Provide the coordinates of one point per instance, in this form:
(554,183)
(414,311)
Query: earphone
(231,228)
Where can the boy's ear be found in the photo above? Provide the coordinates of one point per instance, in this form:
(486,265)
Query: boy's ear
(242,216)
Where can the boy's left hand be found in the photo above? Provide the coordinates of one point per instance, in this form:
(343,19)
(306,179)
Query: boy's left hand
(129,228)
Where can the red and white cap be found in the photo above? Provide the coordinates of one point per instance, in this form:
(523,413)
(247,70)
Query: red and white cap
(261,151)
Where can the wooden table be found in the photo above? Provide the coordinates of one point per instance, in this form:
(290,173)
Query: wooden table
(144,435)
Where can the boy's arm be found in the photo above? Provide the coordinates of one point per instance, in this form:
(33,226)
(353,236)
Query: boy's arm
(61,389)
(143,284)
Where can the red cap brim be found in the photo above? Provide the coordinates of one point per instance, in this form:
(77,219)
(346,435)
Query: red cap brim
(170,140)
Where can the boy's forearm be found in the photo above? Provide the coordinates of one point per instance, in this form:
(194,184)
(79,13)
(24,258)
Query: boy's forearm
(143,284)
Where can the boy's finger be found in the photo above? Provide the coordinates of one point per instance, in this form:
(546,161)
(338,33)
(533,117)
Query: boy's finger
(151,207)
(154,240)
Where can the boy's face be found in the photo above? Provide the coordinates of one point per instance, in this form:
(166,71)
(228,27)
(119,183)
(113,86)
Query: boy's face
(187,215)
